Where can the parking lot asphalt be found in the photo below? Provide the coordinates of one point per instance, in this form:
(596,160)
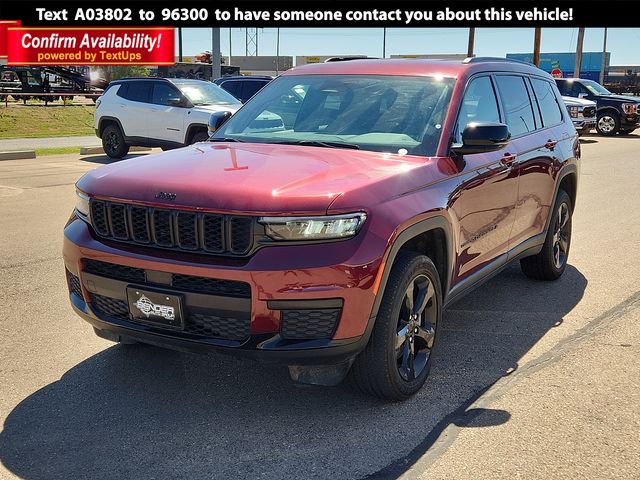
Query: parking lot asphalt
(530,379)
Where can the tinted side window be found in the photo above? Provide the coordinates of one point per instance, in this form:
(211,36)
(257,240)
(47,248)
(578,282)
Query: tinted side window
(479,105)
(139,91)
(517,105)
(564,87)
(233,87)
(250,88)
(163,93)
(549,108)
(122,91)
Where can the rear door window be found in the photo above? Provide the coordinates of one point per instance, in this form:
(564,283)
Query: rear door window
(517,104)
(233,87)
(139,91)
(547,101)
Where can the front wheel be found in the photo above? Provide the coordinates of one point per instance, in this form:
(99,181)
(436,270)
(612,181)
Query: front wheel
(551,262)
(607,124)
(113,142)
(396,362)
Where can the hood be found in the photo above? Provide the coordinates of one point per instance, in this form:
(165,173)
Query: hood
(261,178)
(233,108)
(578,102)
(620,98)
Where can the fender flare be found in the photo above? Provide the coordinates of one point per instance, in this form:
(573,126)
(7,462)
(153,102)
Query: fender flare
(102,121)
(568,169)
(190,131)
(437,222)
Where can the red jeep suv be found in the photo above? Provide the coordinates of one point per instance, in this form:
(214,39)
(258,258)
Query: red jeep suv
(328,223)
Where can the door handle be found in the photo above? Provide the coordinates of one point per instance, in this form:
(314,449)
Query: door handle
(508,158)
(551,144)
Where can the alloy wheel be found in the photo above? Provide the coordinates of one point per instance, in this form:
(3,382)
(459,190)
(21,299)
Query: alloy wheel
(606,123)
(416,328)
(561,236)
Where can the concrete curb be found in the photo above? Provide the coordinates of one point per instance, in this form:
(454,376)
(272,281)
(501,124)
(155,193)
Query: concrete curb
(18,155)
(100,151)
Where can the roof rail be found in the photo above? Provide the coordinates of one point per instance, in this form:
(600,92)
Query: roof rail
(494,59)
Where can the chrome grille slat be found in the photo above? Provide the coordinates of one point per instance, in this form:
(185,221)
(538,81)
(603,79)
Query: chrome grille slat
(173,229)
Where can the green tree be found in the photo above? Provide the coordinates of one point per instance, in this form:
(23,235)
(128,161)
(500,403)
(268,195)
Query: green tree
(114,73)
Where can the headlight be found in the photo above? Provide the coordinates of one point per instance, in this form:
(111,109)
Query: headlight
(574,111)
(629,108)
(313,228)
(82,204)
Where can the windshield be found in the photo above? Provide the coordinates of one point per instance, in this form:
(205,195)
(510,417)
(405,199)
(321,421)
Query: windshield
(204,93)
(380,113)
(595,87)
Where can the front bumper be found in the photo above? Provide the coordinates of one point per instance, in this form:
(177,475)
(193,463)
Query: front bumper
(280,279)
(584,123)
(630,121)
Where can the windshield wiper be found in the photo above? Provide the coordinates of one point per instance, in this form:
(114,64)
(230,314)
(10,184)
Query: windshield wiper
(320,143)
(225,139)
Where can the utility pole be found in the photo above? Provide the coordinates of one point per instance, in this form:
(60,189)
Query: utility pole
(251,42)
(230,52)
(604,57)
(277,52)
(576,68)
(384,43)
(180,44)
(215,53)
(536,46)
(472,39)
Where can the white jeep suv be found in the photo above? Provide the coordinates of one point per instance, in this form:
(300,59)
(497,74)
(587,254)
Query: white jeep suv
(157,112)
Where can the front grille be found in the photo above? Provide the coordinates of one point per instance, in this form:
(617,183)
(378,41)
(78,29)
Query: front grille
(110,307)
(588,112)
(115,271)
(308,324)
(189,283)
(174,229)
(206,325)
(74,284)
(214,326)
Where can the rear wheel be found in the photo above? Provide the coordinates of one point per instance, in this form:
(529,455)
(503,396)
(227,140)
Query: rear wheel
(113,142)
(396,362)
(551,262)
(607,124)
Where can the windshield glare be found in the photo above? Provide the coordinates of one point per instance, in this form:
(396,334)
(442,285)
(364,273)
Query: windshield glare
(596,88)
(203,93)
(380,113)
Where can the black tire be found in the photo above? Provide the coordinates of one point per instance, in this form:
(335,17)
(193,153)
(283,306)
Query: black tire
(202,136)
(551,262)
(382,368)
(113,142)
(608,124)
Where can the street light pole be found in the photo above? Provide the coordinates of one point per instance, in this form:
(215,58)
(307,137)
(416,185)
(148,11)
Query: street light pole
(536,46)
(472,39)
(384,43)
(278,52)
(576,68)
(215,53)
(604,57)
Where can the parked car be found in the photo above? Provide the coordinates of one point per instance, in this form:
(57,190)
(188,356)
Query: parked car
(333,242)
(243,87)
(616,113)
(157,112)
(582,113)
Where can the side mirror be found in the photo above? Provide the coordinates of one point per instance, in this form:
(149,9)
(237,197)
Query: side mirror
(582,95)
(176,102)
(482,138)
(217,119)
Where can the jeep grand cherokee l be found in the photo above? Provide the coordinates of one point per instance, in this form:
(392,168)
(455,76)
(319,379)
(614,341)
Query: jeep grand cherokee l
(332,240)
(157,112)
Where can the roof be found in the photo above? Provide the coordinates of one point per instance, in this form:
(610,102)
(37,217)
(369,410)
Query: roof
(416,67)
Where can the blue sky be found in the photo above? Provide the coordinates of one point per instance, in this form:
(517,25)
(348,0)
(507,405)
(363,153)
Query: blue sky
(622,42)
